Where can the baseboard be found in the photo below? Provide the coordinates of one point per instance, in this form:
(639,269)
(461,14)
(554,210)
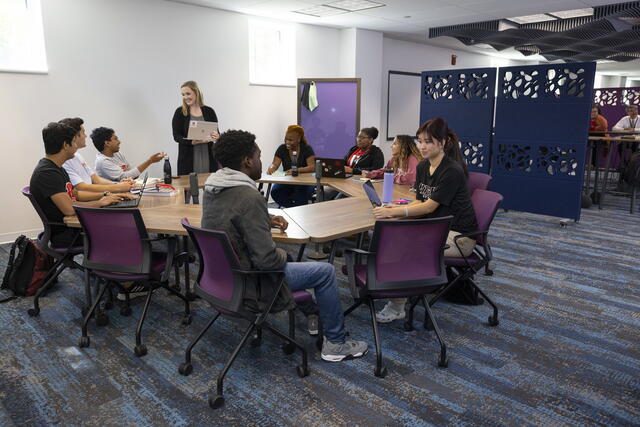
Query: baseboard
(11,237)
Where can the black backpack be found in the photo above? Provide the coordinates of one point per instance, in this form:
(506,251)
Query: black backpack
(26,270)
(632,171)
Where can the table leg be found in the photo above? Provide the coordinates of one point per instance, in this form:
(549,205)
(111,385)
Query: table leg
(188,292)
(301,252)
(603,190)
(590,147)
(332,254)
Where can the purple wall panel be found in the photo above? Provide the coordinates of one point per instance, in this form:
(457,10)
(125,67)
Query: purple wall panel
(331,128)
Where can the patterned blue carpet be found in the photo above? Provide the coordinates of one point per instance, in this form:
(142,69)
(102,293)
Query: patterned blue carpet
(566,352)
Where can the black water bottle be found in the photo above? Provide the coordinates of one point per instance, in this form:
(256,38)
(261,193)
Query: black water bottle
(294,163)
(167,170)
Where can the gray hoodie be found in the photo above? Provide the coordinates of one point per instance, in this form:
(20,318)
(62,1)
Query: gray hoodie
(232,204)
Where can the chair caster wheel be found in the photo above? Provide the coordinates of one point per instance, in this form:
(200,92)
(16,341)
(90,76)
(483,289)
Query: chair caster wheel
(102,319)
(380,371)
(288,348)
(125,311)
(33,312)
(140,350)
(302,371)
(185,369)
(493,320)
(428,326)
(84,342)
(186,320)
(108,305)
(488,273)
(408,326)
(216,401)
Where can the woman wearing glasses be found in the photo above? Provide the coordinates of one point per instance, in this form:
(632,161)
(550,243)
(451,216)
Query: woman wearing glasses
(364,156)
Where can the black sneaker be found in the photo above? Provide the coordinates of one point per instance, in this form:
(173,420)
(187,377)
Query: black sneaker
(350,349)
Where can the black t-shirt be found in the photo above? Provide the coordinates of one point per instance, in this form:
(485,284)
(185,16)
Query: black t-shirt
(283,154)
(448,187)
(48,179)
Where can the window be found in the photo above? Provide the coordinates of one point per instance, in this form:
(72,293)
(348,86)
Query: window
(272,55)
(22,37)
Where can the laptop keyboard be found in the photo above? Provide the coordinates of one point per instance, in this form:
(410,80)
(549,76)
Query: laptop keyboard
(125,204)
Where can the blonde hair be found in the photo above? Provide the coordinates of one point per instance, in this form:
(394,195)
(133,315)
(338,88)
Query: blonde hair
(194,87)
(408,148)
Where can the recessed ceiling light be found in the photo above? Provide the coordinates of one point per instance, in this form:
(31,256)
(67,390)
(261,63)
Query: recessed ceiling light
(573,13)
(531,19)
(354,5)
(320,11)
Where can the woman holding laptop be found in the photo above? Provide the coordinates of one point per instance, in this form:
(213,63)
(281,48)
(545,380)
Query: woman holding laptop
(193,155)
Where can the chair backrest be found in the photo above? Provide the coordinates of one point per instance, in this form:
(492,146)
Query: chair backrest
(116,240)
(217,282)
(478,181)
(485,204)
(409,253)
(43,239)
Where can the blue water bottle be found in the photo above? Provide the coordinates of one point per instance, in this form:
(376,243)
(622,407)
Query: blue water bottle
(387,187)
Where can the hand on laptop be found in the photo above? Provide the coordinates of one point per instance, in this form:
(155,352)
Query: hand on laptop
(215,135)
(387,211)
(110,199)
(199,141)
(124,186)
(347,169)
(279,222)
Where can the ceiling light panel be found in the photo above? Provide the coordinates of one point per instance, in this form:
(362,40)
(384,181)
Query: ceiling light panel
(354,5)
(531,19)
(573,13)
(320,11)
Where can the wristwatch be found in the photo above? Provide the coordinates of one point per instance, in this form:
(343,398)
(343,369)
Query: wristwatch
(107,193)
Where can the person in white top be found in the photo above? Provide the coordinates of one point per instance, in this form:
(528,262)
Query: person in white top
(82,176)
(630,122)
(110,163)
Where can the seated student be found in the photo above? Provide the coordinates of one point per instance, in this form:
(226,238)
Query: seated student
(110,162)
(405,156)
(364,156)
(233,204)
(83,177)
(51,187)
(441,190)
(294,141)
(598,124)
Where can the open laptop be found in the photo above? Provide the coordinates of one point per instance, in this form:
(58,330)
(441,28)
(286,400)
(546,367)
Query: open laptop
(133,203)
(333,168)
(372,194)
(202,131)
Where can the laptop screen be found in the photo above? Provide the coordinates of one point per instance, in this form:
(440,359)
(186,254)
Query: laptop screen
(372,194)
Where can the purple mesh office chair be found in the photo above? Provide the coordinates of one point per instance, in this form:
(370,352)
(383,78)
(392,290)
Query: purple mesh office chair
(221,282)
(478,180)
(485,204)
(118,249)
(405,259)
(63,256)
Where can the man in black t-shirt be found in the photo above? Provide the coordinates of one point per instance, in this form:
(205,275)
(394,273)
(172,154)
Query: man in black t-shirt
(441,190)
(51,187)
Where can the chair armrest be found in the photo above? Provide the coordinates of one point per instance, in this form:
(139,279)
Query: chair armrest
(358,251)
(475,233)
(256,272)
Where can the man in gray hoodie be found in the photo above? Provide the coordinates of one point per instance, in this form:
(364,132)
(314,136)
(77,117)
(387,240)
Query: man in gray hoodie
(233,204)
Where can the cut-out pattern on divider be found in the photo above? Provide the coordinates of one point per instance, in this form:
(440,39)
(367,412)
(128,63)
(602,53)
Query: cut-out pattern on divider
(631,96)
(473,153)
(557,160)
(473,85)
(439,86)
(552,160)
(606,97)
(521,84)
(565,81)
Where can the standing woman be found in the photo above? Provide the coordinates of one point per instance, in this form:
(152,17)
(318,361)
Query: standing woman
(405,157)
(364,156)
(193,155)
(294,141)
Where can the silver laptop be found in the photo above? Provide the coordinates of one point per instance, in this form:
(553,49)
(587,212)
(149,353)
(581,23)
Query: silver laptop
(133,203)
(201,130)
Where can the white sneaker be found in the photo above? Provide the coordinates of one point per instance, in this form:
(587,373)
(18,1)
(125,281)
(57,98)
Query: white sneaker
(135,291)
(389,313)
(350,349)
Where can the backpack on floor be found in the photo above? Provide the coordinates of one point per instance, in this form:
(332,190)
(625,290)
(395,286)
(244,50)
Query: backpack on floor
(26,270)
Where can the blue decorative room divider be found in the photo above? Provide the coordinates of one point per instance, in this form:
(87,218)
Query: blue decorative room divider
(464,98)
(542,120)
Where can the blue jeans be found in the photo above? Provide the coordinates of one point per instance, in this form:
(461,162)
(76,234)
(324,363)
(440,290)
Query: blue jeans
(321,277)
(289,196)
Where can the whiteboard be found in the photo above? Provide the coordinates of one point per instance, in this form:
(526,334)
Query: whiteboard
(403,104)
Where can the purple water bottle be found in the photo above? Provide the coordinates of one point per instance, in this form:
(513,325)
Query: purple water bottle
(387,187)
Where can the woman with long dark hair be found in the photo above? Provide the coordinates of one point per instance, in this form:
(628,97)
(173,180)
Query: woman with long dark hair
(405,157)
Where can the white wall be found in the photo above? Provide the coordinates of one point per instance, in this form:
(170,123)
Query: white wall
(119,63)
